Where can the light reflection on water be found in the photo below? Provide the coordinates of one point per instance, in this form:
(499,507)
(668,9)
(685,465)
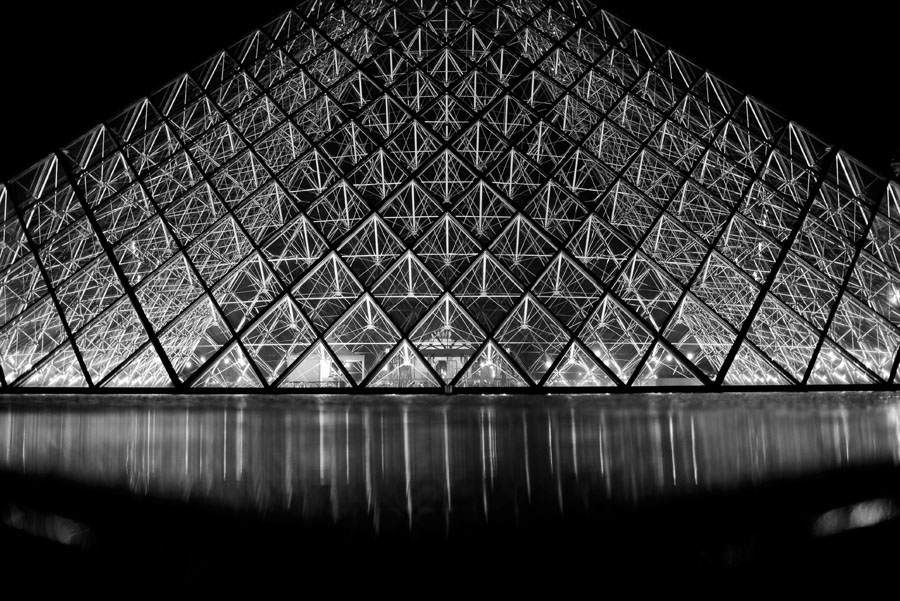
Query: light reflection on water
(408,459)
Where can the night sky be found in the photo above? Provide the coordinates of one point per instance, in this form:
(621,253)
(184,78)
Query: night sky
(67,67)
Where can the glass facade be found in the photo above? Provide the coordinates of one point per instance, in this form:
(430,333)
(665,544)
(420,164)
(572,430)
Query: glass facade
(463,195)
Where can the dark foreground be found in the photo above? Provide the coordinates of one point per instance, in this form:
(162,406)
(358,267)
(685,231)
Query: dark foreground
(833,525)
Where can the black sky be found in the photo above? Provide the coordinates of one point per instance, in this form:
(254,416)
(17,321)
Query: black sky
(66,67)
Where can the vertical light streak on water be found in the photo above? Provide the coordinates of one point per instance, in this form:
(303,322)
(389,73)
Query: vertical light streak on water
(347,445)
(895,415)
(672,449)
(8,433)
(846,429)
(333,465)
(187,441)
(601,443)
(484,499)
(446,433)
(550,443)
(240,444)
(527,458)
(836,448)
(288,458)
(555,451)
(22,451)
(321,424)
(381,439)
(202,425)
(152,445)
(694,449)
(225,446)
(492,457)
(656,435)
(147,459)
(406,470)
(367,456)
(574,442)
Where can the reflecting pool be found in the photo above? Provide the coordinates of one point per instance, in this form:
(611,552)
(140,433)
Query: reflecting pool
(211,479)
(405,463)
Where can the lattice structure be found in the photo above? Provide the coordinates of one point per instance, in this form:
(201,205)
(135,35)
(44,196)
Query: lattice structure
(442,195)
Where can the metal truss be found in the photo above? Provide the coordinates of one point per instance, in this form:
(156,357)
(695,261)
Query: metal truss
(442,195)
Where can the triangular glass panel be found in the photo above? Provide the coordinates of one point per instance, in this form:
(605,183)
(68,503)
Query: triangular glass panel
(779,333)
(487,290)
(482,211)
(836,368)
(480,146)
(671,246)
(362,337)
(266,212)
(627,211)
(578,368)
(326,291)
(523,248)
(20,286)
(144,371)
(517,177)
(866,336)
(412,146)
(751,368)
(110,339)
(337,211)
(416,90)
(567,291)
(383,117)
(29,338)
(371,249)
(532,337)
(447,249)
(648,289)
(509,116)
(231,370)
(406,290)
(545,145)
(292,250)
(278,339)
(490,369)
(317,369)
(194,338)
(616,338)
(404,369)
(411,211)
(700,336)
(663,368)
(585,177)
(446,176)
(60,370)
(248,291)
(446,116)
(599,248)
(447,337)
(471,86)
(377,177)
(307,178)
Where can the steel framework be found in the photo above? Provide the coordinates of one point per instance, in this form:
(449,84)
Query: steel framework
(440,195)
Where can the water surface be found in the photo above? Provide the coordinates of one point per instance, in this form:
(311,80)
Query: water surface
(435,463)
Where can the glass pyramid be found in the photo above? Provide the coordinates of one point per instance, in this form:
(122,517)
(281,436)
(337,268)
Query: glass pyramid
(441,195)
